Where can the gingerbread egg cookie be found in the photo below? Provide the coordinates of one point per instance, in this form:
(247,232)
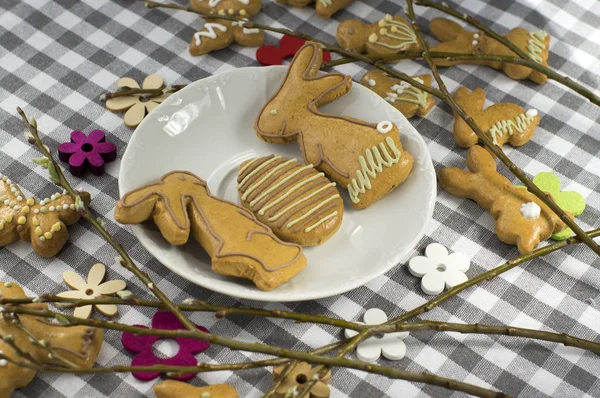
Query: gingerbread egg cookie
(365,158)
(297,202)
(503,122)
(42,223)
(78,344)
(409,100)
(521,218)
(238,244)
(325,8)
(389,35)
(178,389)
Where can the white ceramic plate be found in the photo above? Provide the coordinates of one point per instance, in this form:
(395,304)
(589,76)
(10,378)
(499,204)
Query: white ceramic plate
(207,128)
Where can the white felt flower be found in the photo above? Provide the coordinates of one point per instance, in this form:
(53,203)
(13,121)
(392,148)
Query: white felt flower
(390,344)
(438,269)
(91,289)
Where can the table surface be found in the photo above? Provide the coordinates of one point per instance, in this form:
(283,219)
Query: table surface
(57,57)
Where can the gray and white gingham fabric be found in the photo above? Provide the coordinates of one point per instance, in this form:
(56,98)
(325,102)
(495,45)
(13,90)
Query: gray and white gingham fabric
(57,57)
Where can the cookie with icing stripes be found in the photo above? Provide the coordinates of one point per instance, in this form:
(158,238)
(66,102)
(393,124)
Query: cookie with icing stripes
(296,201)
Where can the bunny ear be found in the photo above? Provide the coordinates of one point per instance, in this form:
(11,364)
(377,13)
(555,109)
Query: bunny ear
(444,29)
(307,62)
(470,100)
(480,160)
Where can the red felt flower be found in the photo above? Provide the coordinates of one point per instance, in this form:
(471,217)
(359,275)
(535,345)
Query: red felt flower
(90,151)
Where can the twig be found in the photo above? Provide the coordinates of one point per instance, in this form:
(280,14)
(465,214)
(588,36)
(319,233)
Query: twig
(145,92)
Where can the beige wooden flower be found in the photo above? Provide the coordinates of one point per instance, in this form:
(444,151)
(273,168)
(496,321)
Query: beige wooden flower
(137,107)
(92,289)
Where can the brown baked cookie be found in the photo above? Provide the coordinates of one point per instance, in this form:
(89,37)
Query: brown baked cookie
(365,158)
(454,38)
(389,35)
(219,33)
(521,218)
(227,7)
(178,389)
(239,245)
(503,122)
(298,203)
(409,100)
(42,223)
(78,344)
(325,8)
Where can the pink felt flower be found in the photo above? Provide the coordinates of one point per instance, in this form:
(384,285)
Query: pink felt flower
(142,345)
(90,151)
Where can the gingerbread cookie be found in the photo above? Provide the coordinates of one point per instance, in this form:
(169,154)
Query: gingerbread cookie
(389,35)
(454,38)
(301,374)
(42,223)
(178,389)
(238,244)
(227,7)
(409,100)
(365,158)
(219,33)
(298,203)
(502,122)
(521,218)
(325,8)
(78,344)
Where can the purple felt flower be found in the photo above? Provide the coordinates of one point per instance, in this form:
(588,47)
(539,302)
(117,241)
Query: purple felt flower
(142,345)
(90,151)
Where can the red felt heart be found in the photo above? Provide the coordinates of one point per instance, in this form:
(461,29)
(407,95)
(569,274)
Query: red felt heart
(288,46)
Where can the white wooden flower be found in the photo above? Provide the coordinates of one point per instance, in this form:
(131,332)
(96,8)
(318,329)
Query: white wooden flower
(438,269)
(92,289)
(390,344)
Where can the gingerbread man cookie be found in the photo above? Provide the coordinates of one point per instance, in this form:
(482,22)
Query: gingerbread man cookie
(42,223)
(298,203)
(454,38)
(178,389)
(239,245)
(365,158)
(521,218)
(78,344)
(503,122)
(409,100)
(389,35)
(227,7)
(219,33)
(325,8)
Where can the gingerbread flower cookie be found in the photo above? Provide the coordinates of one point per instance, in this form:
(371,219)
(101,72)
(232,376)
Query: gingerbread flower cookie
(521,218)
(503,122)
(78,344)
(219,33)
(42,223)
(227,7)
(238,244)
(178,389)
(298,203)
(365,158)
(454,38)
(325,8)
(389,35)
(409,100)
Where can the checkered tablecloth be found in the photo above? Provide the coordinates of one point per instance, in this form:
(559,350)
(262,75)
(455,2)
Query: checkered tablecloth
(57,57)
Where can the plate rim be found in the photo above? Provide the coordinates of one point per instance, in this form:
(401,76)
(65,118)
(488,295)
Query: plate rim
(272,296)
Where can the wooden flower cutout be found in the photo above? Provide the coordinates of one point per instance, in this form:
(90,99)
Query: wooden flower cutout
(137,107)
(92,289)
(300,375)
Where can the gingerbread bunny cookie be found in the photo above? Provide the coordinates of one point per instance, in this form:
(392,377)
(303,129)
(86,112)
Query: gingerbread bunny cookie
(503,122)
(389,35)
(365,158)
(521,218)
(455,38)
(42,223)
(180,203)
(409,100)
(228,7)
(325,8)
(78,344)
(219,33)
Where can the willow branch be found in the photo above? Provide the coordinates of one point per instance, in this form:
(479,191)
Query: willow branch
(144,92)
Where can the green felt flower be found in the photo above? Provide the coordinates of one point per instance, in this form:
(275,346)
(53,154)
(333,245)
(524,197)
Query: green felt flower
(569,201)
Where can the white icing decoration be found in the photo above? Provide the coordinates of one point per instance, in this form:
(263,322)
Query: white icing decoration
(400,33)
(385,127)
(321,221)
(536,45)
(210,32)
(214,3)
(326,3)
(246,31)
(532,113)
(372,83)
(474,42)
(506,126)
(530,210)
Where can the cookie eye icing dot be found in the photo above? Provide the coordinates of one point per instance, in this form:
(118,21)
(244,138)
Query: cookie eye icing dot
(385,127)
(273,111)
